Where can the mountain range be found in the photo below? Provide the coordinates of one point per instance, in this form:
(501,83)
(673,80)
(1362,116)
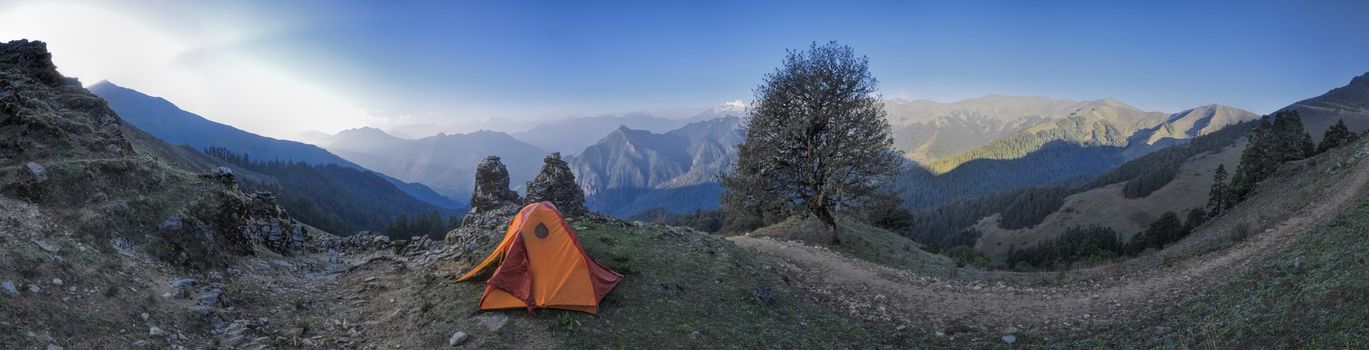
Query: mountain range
(321,188)
(1055,142)
(630,171)
(444,162)
(170,123)
(1187,148)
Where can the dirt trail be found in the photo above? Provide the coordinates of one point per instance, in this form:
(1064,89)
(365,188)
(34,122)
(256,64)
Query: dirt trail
(883,293)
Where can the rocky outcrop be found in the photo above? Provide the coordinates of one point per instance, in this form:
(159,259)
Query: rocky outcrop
(556,183)
(492,204)
(491,186)
(45,115)
(268,225)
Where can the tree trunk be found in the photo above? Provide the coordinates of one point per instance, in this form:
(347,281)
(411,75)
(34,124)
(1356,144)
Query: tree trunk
(826,216)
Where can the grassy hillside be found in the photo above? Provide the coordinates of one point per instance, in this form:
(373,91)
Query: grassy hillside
(1310,296)
(1108,206)
(682,289)
(861,241)
(1028,207)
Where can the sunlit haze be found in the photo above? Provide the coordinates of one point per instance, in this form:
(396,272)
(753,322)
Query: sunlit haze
(280,70)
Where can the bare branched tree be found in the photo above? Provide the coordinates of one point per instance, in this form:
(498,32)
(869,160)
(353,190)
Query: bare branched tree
(817,138)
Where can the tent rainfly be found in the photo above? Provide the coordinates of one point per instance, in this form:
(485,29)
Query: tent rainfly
(541,264)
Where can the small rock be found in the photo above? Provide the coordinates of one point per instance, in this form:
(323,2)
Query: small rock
(9,288)
(71,289)
(155,332)
(458,338)
(371,279)
(56,281)
(211,298)
(1009,339)
(181,282)
(144,316)
(47,247)
(37,170)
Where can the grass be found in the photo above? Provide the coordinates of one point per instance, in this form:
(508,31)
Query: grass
(861,241)
(688,289)
(1313,295)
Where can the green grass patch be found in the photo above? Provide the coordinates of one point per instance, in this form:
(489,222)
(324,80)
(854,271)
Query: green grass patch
(688,289)
(1313,295)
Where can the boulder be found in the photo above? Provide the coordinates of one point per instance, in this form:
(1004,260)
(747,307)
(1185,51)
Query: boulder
(556,183)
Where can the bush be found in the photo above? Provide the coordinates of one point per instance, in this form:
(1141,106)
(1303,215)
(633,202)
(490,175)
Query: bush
(1240,232)
(966,256)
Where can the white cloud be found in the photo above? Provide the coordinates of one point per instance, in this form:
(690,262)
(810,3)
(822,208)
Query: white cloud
(198,66)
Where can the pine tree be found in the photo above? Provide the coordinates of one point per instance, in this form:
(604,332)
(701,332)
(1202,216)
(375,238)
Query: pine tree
(1271,144)
(1218,199)
(1337,135)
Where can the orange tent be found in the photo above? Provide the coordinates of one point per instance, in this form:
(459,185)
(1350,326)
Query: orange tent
(544,266)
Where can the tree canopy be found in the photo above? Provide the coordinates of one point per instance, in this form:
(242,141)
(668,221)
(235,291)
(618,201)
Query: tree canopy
(816,139)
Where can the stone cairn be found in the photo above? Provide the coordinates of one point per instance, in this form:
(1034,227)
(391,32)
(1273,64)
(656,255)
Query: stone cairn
(492,204)
(557,184)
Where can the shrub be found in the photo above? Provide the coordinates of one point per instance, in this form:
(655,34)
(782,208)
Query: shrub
(1240,232)
(966,256)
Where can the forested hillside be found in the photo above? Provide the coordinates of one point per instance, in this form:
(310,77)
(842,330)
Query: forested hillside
(340,200)
(951,224)
(167,122)
(1122,199)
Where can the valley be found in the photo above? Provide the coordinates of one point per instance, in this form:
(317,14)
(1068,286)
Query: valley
(558,181)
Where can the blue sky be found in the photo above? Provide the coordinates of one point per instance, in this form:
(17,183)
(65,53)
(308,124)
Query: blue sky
(448,63)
